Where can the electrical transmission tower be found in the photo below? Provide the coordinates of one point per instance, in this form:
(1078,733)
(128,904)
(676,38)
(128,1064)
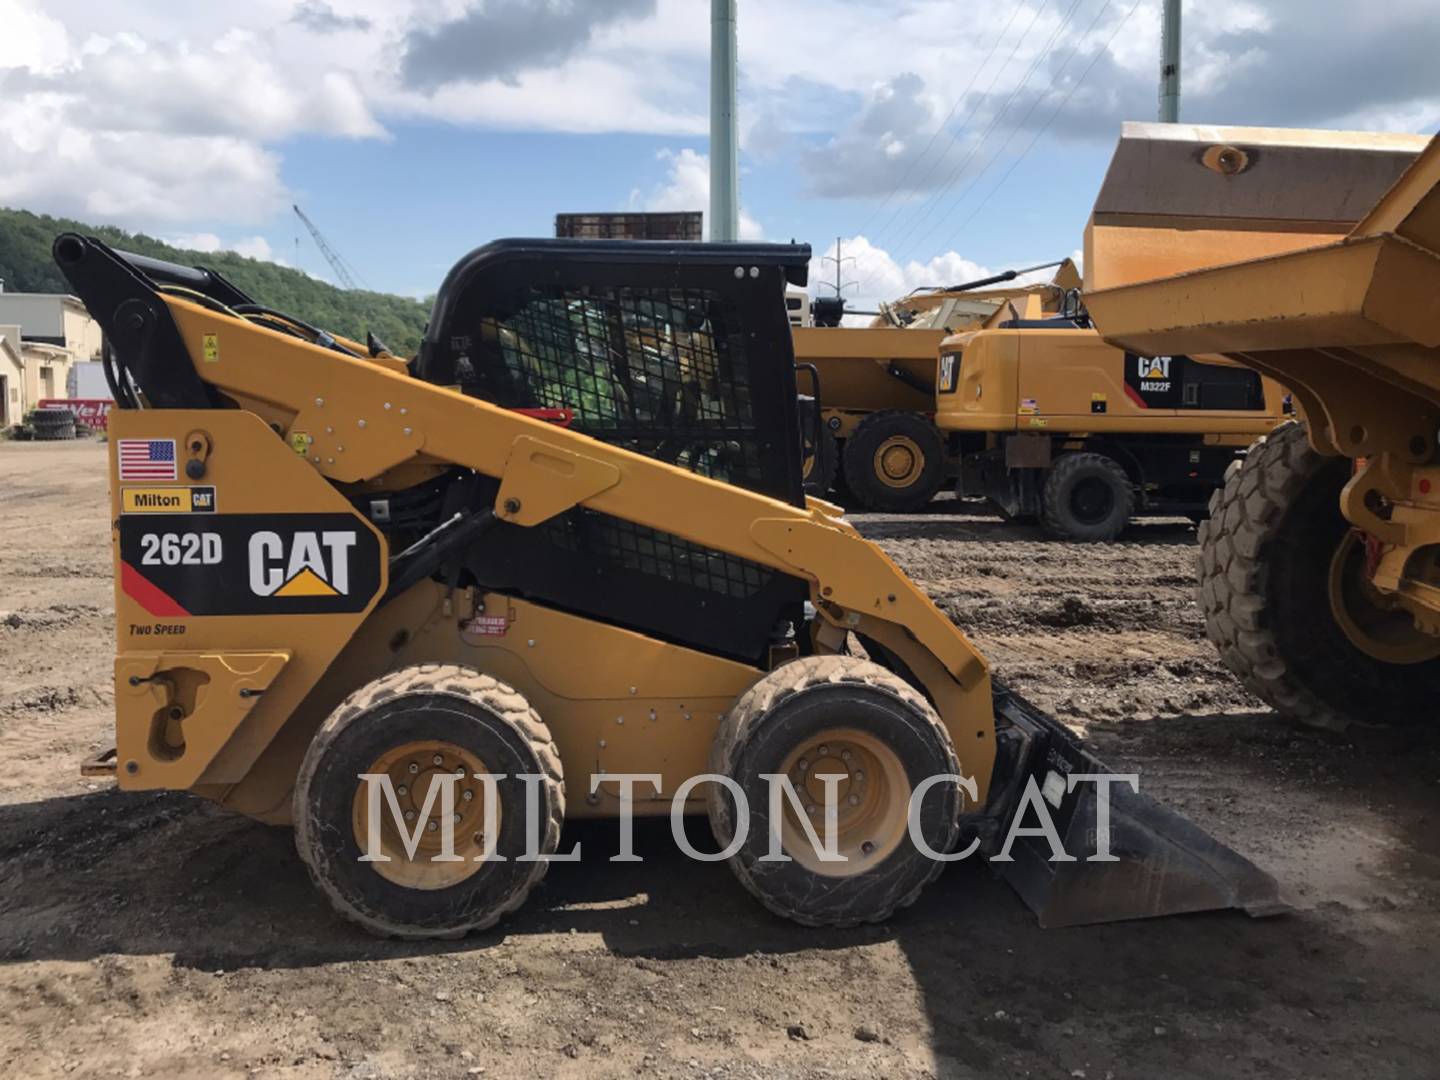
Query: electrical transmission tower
(348,278)
(839,259)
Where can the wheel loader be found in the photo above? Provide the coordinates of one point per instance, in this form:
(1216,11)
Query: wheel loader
(1314,258)
(1052,424)
(877,387)
(345,581)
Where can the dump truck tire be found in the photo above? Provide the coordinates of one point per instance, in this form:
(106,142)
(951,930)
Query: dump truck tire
(1265,564)
(894,462)
(1086,498)
(847,716)
(403,722)
(819,468)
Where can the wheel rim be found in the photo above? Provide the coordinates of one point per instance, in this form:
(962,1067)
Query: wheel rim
(412,768)
(1372,621)
(872,801)
(1092,500)
(899,461)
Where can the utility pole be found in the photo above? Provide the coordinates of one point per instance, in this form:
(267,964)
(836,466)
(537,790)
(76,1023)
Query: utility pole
(724,162)
(840,259)
(1170,64)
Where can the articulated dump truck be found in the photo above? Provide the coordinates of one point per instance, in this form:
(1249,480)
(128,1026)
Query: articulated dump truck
(386,602)
(1313,257)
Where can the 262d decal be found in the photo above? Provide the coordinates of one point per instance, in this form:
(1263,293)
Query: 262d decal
(174,565)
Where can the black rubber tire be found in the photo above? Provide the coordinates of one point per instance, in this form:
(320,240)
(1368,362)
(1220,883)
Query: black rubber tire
(1264,565)
(821,476)
(800,699)
(1073,474)
(53,424)
(858,462)
(429,701)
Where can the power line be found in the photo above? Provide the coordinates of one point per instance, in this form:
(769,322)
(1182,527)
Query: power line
(974,109)
(1026,118)
(994,123)
(900,184)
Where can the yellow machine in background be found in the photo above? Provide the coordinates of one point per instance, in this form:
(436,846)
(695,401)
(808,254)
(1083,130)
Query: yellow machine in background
(1313,257)
(1052,423)
(877,388)
(339,574)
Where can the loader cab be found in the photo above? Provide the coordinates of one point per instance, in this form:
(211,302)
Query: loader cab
(680,352)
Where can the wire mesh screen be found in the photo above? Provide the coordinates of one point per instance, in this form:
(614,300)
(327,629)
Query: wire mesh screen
(662,372)
(628,546)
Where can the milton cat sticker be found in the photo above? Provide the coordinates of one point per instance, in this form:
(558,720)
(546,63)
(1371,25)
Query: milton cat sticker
(178,565)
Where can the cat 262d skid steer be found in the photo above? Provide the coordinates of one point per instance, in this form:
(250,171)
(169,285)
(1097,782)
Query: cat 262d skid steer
(567,542)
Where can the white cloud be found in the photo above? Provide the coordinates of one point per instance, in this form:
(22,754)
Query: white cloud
(252,247)
(207,241)
(878,276)
(687,187)
(144,130)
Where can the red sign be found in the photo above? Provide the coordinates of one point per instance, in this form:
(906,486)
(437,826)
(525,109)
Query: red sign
(93,413)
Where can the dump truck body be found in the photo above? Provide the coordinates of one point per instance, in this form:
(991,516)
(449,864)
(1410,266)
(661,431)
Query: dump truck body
(1349,322)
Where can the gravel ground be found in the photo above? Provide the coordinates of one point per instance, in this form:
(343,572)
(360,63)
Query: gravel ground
(152,935)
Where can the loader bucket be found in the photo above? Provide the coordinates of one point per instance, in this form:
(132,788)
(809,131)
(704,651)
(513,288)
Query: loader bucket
(1162,863)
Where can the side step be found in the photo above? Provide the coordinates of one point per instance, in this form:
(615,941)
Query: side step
(1163,864)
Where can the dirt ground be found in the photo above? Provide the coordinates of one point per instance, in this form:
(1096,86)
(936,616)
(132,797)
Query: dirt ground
(151,935)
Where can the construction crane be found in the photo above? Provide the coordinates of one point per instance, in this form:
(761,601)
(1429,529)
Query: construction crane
(348,278)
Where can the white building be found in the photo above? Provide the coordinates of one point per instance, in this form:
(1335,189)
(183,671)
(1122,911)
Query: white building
(41,336)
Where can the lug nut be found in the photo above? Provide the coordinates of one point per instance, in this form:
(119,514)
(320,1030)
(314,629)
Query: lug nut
(414,768)
(457,819)
(824,750)
(409,815)
(437,760)
(854,800)
(467,795)
(402,790)
(432,826)
(859,774)
(866,848)
(844,755)
(803,764)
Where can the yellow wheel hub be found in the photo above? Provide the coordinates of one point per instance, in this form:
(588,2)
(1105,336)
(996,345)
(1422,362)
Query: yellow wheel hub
(413,768)
(872,801)
(899,461)
(1373,621)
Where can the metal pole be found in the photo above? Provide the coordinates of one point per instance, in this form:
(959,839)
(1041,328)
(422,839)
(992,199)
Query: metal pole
(1170,64)
(724,163)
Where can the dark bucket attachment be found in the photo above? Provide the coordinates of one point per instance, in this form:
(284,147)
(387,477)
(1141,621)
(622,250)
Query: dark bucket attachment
(1164,865)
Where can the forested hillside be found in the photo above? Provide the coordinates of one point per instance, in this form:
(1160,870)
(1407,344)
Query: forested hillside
(26,266)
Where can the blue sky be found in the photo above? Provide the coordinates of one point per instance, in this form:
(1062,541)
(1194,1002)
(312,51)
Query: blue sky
(940,138)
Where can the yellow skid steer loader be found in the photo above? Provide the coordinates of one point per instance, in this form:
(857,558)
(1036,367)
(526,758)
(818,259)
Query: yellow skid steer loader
(395,604)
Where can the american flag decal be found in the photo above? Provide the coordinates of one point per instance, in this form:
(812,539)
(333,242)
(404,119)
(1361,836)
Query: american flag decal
(147,459)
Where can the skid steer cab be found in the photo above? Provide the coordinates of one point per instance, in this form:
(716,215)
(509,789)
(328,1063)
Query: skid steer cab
(388,602)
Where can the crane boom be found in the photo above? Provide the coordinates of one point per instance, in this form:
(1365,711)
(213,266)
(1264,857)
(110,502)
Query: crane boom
(342,270)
